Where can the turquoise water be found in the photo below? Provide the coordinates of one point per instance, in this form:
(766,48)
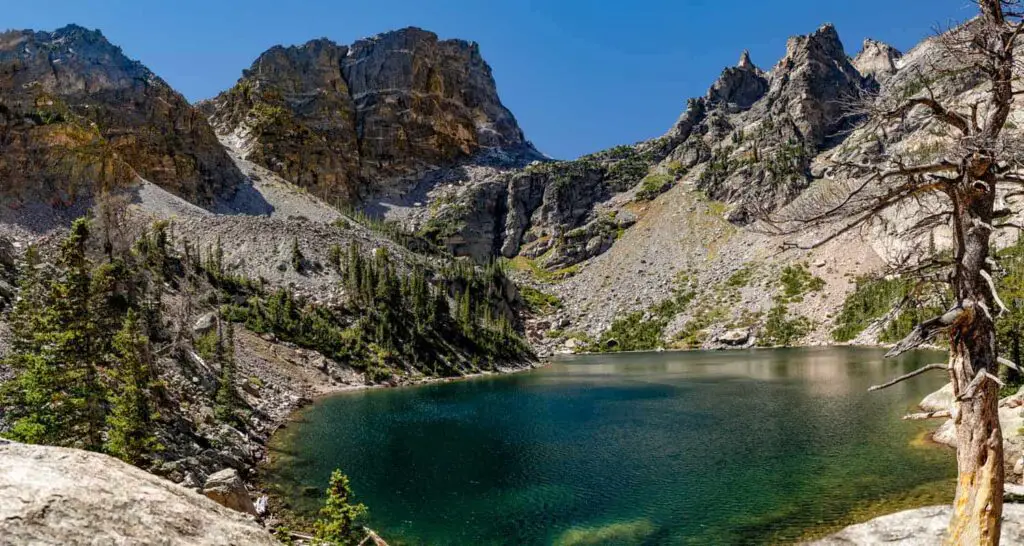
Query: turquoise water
(647,448)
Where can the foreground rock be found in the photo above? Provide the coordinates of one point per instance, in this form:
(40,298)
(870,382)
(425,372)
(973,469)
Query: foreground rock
(227,489)
(921,526)
(1010,420)
(51,495)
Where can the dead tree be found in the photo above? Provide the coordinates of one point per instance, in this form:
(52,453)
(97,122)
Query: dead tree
(978,170)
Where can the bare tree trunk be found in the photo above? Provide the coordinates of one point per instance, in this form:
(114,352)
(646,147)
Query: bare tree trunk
(978,507)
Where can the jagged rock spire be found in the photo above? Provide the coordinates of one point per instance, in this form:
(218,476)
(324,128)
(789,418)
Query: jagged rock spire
(877,60)
(745,61)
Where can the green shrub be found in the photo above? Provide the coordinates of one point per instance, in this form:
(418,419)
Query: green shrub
(796,281)
(780,330)
(634,333)
(654,185)
(870,300)
(539,302)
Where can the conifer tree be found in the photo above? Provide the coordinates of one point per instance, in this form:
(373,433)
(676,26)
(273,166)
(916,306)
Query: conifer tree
(130,437)
(465,315)
(226,400)
(56,396)
(75,336)
(339,518)
(298,260)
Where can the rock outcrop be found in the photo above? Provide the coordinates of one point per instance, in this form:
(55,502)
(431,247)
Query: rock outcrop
(344,121)
(61,496)
(877,60)
(75,113)
(227,489)
(919,527)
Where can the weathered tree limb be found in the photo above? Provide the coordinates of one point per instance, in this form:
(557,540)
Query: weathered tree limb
(939,414)
(939,112)
(995,295)
(911,375)
(924,332)
(1008,363)
(972,387)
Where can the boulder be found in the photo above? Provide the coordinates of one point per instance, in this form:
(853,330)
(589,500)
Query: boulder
(939,400)
(227,489)
(205,324)
(62,496)
(919,527)
(738,336)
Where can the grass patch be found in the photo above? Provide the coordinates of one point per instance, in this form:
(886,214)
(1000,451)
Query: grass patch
(797,281)
(654,185)
(527,265)
(538,302)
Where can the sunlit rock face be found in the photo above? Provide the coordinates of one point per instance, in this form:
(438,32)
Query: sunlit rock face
(345,121)
(74,111)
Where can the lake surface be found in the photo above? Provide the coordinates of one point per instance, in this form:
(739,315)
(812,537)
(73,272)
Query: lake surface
(739,447)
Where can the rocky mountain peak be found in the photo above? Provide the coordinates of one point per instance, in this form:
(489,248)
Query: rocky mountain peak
(57,87)
(811,82)
(372,115)
(877,60)
(738,86)
(745,61)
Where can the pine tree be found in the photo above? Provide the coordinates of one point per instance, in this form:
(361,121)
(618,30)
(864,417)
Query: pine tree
(75,336)
(339,518)
(226,400)
(56,396)
(334,258)
(129,437)
(298,260)
(465,315)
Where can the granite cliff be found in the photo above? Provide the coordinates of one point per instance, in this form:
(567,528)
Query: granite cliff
(76,113)
(350,121)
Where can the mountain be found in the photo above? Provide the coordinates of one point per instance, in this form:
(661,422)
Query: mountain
(751,137)
(74,110)
(349,121)
(466,240)
(664,239)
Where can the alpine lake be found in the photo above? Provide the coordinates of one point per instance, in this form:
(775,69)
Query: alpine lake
(730,447)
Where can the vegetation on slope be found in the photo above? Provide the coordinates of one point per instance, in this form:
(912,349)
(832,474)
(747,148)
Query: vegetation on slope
(90,325)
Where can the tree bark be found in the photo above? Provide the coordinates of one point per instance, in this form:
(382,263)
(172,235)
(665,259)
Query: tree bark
(978,507)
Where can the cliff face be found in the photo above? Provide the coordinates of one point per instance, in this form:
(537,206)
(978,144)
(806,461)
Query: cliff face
(748,142)
(74,110)
(347,121)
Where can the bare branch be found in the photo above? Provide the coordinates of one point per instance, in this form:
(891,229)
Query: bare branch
(1008,363)
(939,414)
(975,383)
(911,375)
(949,117)
(925,332)
(995,295)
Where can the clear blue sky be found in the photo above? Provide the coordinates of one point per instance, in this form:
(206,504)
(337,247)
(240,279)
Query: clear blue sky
(579,75)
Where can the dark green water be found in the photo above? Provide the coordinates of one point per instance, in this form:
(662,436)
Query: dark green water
(651,448)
